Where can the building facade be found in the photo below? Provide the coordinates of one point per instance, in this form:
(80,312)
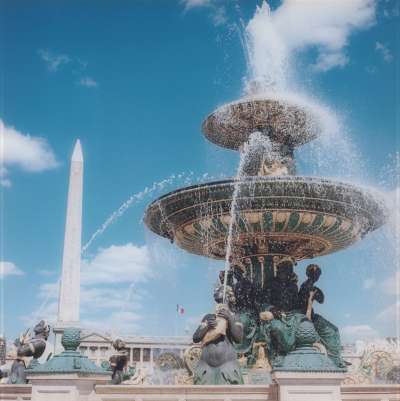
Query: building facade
(144,351)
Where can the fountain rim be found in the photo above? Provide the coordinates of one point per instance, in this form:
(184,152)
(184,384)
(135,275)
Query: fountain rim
(365,202)
(247,179)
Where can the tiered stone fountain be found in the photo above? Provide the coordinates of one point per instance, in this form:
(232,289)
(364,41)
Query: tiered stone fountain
(278,214)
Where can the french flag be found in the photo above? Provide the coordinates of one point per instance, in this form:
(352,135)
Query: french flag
(179,309)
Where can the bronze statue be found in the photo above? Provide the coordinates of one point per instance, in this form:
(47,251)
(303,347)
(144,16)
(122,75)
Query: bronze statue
(217,332)
(119,362)
(27,347)
(284,290)
(328,332)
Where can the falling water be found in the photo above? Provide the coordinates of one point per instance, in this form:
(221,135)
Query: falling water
(394,236)
(270,58)
(157,186)
(181,178)
(258,144)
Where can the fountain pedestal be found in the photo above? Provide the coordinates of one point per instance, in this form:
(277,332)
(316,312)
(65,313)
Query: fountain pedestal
(68,376)
(308,386)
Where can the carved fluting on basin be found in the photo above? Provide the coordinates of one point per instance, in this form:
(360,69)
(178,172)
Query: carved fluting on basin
(298,216)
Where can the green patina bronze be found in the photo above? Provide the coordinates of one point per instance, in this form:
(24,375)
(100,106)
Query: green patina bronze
(70,360)
(303,356)
(278,217)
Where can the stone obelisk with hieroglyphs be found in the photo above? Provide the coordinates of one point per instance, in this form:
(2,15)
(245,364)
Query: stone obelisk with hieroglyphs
(68,303)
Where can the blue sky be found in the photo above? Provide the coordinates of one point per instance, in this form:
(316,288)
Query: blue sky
(134,80)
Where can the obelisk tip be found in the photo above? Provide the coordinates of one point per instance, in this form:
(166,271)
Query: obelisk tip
(77,153)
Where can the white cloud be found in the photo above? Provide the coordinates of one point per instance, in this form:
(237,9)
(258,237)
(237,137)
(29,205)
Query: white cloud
(9,269)
(109,296)
(53,61)
(392,12)
(219,16)
(275,37)
(217,12)
(88,82)
(371,69)
(116,322)
(390,313)
(391,285)
(32,154)
(384,51)
(195,3)
(327,61)
(368,283)
(117,264)
(358,332)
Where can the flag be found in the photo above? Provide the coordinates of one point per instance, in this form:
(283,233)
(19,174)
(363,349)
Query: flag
(179,309)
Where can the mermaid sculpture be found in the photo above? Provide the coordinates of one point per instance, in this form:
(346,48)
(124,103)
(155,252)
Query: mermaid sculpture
(218,332)
(26,348)
(328,332)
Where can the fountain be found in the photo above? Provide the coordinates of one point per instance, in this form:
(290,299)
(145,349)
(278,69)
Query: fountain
(277,214)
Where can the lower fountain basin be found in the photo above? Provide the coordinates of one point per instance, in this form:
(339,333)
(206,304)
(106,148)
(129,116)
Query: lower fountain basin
(302,217)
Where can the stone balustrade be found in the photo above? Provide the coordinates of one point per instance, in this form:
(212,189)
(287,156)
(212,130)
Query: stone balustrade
(15,392)
(365,392)
(370,392)
(186,393)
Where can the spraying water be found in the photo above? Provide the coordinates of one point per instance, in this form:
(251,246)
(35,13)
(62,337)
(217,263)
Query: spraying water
(157,186)
(272,43)
(257,145)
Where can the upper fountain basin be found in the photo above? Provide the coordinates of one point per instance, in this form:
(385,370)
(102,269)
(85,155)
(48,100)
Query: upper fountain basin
(282,121)
(302,217)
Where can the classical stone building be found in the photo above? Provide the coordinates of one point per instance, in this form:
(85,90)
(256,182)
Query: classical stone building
(143,350)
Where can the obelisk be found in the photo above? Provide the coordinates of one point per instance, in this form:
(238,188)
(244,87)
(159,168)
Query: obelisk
(68,303)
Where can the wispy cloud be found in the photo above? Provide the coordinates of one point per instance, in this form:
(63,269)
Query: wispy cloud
(217,13)
(9,269)
(358,332)
(390,313)
(53,61)
(369,283)
(29,153)
(188,4)
(219,16)
(88,82)
(77,66)
(108,285)
(384,51)
(391,9)
(127,263)
(391,285)
(371,69)
(327,61)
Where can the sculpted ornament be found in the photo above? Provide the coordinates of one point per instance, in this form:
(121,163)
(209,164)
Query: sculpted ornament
(28,348)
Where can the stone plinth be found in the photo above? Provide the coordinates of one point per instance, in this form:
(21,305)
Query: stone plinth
(65,387)
(308,386)
(68,376)
(185,393)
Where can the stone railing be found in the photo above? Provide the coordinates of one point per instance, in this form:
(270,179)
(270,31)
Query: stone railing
(186,393)
(15,392)
(365,392)
(370,392)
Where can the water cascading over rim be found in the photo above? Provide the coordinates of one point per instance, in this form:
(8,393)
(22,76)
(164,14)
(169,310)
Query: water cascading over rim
(278,214)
